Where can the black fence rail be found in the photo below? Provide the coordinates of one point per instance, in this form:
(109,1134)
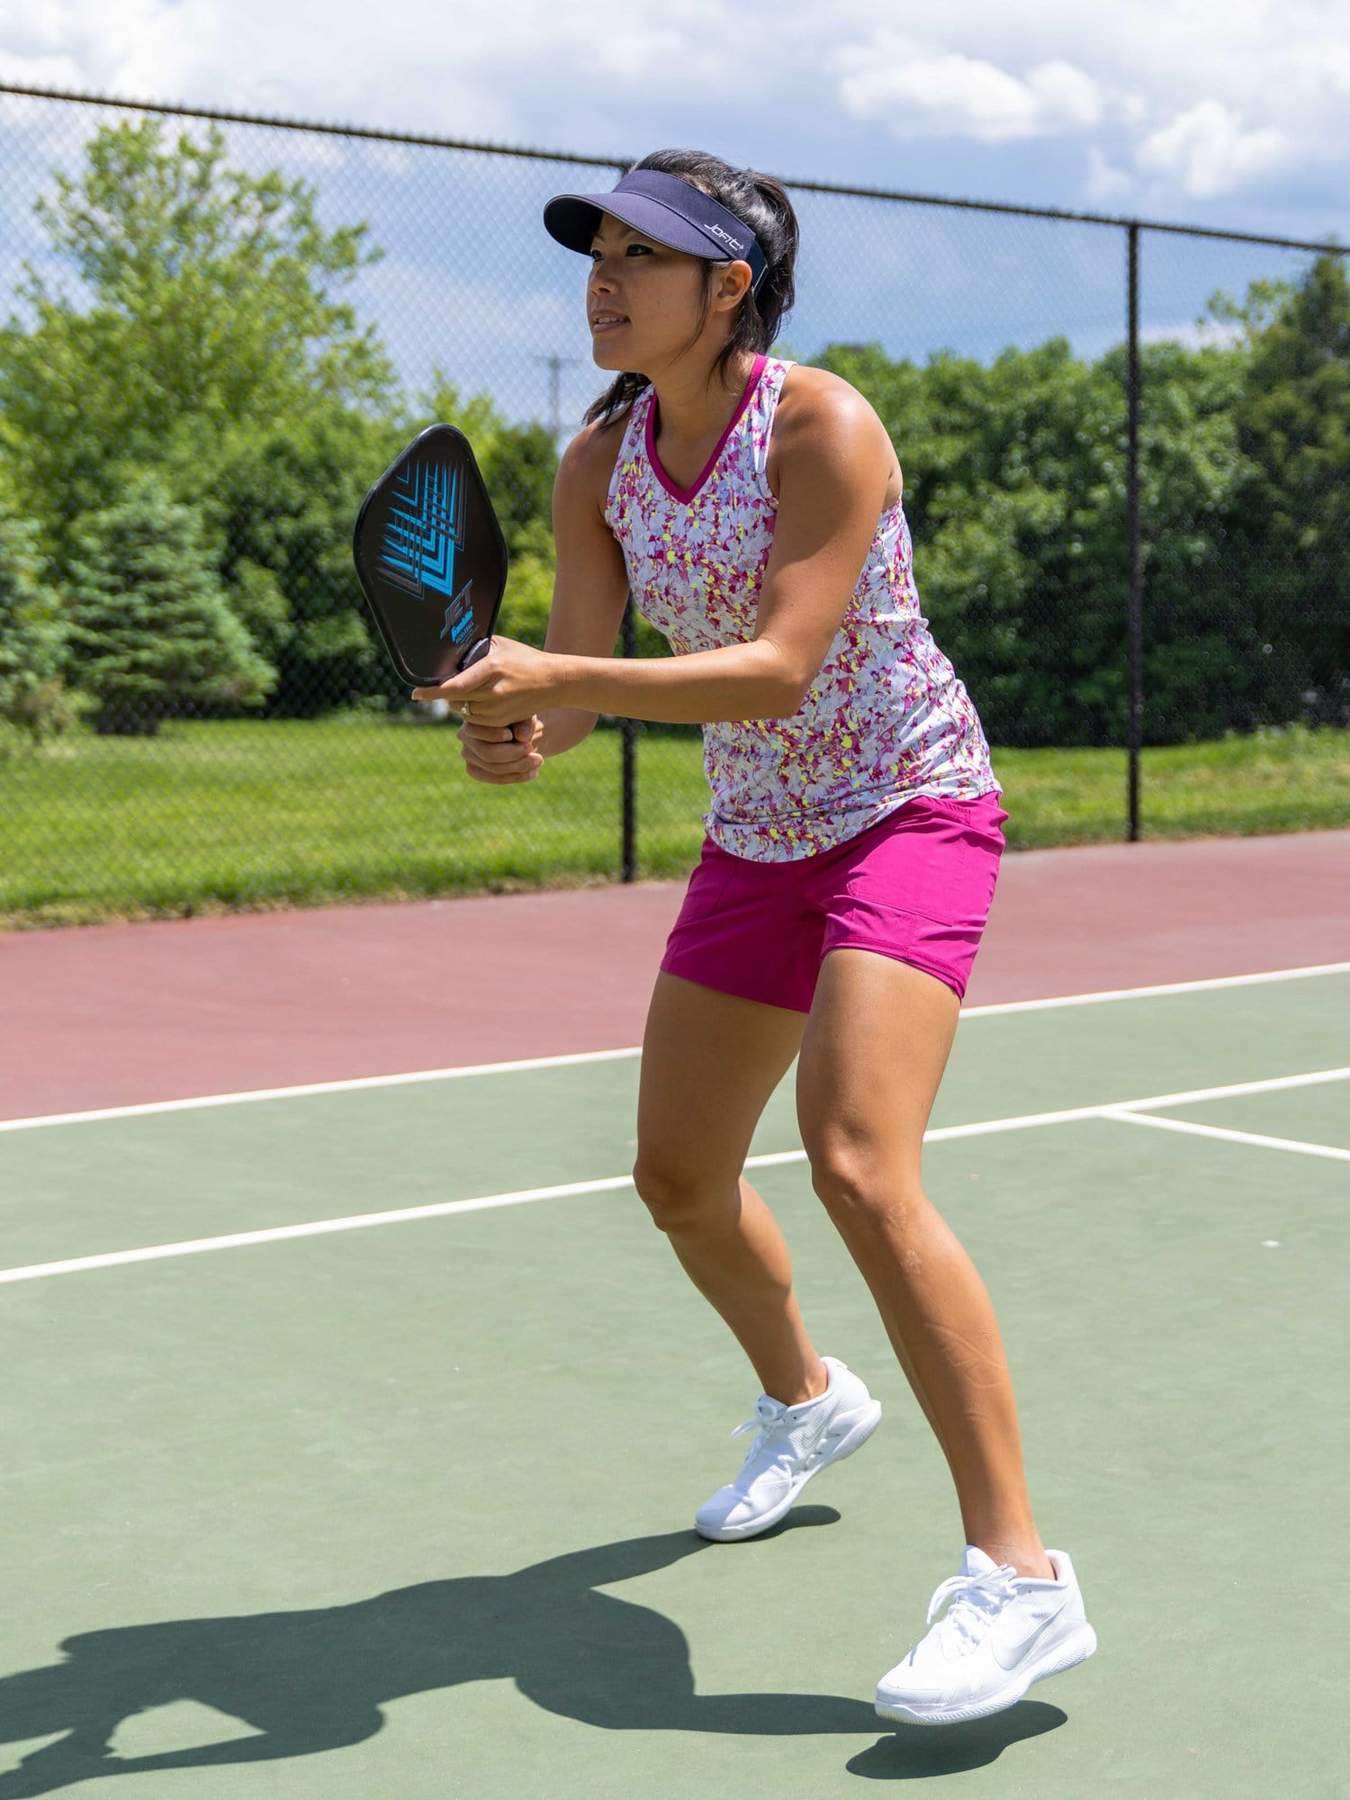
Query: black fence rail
(1124,444)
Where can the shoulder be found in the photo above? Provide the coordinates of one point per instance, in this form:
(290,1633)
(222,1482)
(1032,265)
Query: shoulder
(817,399)
(587,463)
(820,415)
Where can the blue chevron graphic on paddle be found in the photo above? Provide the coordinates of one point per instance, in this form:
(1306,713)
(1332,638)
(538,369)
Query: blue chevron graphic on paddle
(424,529)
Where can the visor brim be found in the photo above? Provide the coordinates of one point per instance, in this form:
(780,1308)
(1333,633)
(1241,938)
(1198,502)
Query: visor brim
(573,219)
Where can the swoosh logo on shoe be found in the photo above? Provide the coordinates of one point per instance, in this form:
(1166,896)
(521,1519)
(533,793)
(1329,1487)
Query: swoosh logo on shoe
(1008,1654)
(813,1439)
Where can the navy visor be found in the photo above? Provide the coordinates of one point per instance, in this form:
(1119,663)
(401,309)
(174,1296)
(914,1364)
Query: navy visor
(661,207)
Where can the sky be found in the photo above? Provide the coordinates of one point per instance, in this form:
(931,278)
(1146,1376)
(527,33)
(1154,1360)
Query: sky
(1229,114)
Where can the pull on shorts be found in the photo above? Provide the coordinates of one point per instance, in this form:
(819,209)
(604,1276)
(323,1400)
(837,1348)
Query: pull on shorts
(917,887)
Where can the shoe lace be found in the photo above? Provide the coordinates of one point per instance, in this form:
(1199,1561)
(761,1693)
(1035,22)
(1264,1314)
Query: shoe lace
(771,1429)
(975,1599)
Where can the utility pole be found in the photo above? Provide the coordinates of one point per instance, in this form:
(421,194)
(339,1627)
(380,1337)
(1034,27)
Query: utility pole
(555,365)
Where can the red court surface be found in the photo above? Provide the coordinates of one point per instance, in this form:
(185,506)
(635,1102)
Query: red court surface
(116,1015)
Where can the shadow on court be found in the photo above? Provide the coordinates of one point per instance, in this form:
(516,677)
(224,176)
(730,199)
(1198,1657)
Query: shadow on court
(306,1682)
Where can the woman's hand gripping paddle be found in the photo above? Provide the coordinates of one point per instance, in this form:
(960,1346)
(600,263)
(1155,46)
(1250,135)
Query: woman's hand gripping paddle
(431,560)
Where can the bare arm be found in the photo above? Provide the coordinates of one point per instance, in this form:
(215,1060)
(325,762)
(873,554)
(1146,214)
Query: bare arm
(591,584)
(738,681)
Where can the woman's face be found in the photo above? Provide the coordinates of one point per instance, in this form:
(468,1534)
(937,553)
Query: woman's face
(654,294)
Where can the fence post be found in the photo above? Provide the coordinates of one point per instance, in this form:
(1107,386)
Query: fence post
(628,731)
(1135,603)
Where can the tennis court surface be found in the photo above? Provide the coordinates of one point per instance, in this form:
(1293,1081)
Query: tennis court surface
(353,1428)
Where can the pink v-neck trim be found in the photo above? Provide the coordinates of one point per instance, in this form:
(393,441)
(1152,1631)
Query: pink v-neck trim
(687,494)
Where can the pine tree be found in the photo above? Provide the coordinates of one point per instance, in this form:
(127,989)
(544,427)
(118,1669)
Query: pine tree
(152,633)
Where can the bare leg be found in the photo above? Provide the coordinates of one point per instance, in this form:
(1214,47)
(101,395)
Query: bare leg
(710,1061)
(874,1051)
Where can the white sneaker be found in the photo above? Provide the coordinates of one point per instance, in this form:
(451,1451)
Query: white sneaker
(791,1444)
(1002,1632)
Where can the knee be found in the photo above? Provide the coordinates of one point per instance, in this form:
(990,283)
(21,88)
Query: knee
(861,1192)
(674,1194)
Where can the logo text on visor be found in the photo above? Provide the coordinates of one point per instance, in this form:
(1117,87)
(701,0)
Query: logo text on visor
(726,237)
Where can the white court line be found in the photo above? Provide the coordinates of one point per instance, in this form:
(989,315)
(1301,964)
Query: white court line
(1126,1116)
(1167,987)
(1269,1086)
(316,1087)
(589,1056)
(441,1209)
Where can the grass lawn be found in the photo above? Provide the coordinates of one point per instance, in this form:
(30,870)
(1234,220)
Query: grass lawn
(219,816)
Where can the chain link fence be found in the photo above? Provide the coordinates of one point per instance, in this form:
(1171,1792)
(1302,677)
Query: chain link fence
(1131,520)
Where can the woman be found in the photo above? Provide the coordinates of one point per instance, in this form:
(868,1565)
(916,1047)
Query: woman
(753,507)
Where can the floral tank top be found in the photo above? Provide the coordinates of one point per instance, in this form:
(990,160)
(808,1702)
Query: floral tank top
(886,717)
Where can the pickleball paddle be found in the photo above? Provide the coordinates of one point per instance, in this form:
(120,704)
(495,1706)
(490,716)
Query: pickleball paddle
(431,558)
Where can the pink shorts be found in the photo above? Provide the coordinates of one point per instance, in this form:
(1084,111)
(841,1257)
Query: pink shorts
(916,887)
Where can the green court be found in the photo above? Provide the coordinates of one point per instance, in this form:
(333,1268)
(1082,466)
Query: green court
(399,1505)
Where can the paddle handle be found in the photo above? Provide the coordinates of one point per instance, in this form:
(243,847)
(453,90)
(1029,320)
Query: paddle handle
(476,653)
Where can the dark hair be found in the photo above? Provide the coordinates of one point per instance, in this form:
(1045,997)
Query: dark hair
(762,203)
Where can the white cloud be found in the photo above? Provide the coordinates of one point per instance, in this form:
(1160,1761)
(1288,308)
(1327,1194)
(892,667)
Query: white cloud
(1206,101)
(141,45)
(1131,109)
(1334,64)
(1105,184)
(1066,95)
(891,79)
(1206,152)
(41,71)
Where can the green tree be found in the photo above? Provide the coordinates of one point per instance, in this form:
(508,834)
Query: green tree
(32,635)
(1201,646)
(151,633)
(1011,490)
(1292,527)
(1015,492)
(208,301)
(280,510)
(518,462)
